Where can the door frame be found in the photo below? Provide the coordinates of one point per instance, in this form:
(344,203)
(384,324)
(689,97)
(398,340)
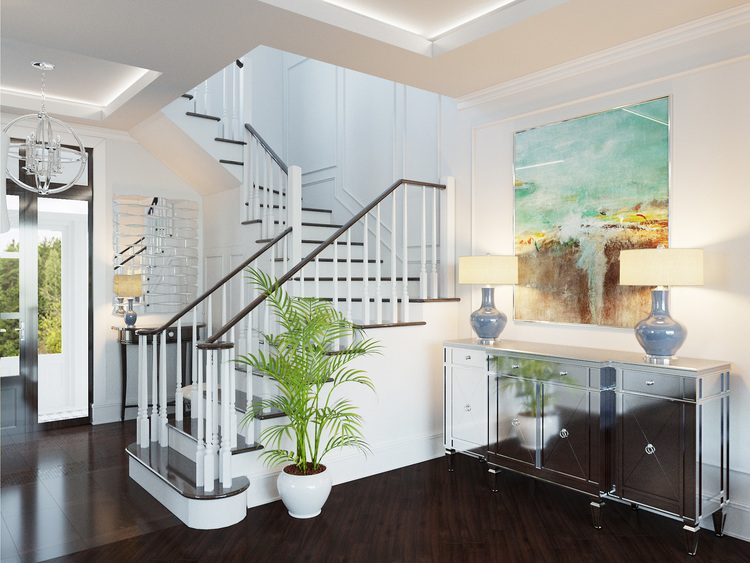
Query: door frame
(28,357)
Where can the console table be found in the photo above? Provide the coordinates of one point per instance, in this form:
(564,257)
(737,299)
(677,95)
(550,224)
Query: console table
(126,336)
(601,422)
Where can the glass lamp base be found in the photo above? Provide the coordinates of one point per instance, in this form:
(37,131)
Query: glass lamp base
(487,321)
(660,335)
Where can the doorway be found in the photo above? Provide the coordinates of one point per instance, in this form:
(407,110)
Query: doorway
(46,309)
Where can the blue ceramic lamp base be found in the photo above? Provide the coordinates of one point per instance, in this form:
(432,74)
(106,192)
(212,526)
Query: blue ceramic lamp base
(487,321)
(660,335)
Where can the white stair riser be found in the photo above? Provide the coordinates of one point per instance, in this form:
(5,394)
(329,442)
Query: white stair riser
(357,288)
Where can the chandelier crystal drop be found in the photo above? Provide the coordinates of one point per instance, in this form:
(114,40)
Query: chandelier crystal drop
(43,154)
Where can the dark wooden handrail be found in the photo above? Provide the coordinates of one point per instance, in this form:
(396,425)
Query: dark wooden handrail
(267,147)
(217,285)
(310,257)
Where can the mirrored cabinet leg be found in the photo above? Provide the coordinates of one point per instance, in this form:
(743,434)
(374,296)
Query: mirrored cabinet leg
(719,518)
(691,538)
(596,513)
(493,473)
(450,456)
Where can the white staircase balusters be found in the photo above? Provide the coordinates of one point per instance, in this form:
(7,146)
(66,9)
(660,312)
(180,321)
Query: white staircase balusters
(405,260)
(448,237)
(154,389)
(378,270)
(232,391)
(435,219)
(366,270)
(394,286)
(348,275)
(199,406)
(423,249)
(224,131)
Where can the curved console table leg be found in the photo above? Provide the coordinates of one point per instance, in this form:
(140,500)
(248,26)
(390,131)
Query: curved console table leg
(596,513)
(450,456)
(691,538)
(720,518)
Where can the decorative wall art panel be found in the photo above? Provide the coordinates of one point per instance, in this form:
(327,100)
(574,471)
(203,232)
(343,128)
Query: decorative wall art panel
(584,190)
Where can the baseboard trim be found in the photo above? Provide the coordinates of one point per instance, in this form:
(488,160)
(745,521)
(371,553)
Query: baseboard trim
(105,413)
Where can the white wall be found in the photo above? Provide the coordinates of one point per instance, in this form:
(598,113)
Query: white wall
(706,72)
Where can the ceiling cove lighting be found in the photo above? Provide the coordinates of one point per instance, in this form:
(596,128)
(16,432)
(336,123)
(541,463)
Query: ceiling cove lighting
(43,154)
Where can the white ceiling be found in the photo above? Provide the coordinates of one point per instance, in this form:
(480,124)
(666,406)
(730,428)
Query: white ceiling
(117,63)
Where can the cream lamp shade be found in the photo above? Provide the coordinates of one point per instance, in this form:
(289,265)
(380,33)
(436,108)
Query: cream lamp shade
(488,270)
(128,286)
(661,266)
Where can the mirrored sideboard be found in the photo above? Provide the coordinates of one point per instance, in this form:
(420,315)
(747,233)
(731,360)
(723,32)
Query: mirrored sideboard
(601,422)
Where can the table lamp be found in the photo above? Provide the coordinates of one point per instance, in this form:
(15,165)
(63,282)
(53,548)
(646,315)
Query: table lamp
(659,334)
(488,270)
(128,287)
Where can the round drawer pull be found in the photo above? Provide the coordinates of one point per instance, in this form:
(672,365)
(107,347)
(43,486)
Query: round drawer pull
(515,423)
(650,449)
(467,408)
(650,382)
(564,433)
(467,358)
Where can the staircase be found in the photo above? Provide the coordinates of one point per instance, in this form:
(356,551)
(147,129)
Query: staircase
(374,268)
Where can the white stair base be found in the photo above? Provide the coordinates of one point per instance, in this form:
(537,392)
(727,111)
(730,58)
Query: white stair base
(199,512)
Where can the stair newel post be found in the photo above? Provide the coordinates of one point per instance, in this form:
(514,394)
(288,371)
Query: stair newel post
(142,423)
(447,274)
(378,270)
(394,288)
(435,218)
(178,375)
(423,252)
(250,348)
(194,368)
(198,406)
(211,436)
(226,101)
(294,210)
(405,253)
(206,97)
(225,459)
(154,388)
(209,315)
(247,156)
(366,269)
(163,390)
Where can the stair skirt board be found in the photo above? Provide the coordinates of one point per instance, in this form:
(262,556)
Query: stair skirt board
(196,510)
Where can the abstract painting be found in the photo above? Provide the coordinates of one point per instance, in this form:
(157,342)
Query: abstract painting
(585,189)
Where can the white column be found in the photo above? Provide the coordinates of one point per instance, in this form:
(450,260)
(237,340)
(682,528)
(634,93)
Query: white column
(448,238)
(225,461)
(154,389)
(142,423)
(423,248)
(208,461)
(405,278)
(163,391)
(194,368)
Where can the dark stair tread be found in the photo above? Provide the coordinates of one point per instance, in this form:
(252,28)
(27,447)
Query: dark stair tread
(176,469)
(321,225)
(203,116)
(230,141)
(237,162)
(188,96)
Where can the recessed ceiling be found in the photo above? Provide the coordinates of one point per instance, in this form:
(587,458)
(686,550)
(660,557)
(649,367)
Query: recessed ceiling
(118,63)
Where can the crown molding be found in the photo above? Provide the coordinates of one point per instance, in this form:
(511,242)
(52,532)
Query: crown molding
(678,37)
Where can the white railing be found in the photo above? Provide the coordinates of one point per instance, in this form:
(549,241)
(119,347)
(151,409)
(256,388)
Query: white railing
(213,422)
(222,96)
(265,184)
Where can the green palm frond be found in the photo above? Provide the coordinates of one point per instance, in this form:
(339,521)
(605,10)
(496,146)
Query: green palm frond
(307,366)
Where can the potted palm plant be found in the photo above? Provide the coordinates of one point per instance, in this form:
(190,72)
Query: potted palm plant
(309,366)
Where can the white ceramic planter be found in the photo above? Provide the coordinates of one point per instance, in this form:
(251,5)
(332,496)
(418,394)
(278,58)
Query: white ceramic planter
(304,495)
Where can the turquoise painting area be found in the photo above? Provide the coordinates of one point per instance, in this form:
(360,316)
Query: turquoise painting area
(584,190)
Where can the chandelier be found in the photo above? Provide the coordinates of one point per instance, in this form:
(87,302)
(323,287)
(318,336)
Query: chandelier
(42,153)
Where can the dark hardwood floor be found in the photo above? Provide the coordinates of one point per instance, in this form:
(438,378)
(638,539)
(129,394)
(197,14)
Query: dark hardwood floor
(417,513)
